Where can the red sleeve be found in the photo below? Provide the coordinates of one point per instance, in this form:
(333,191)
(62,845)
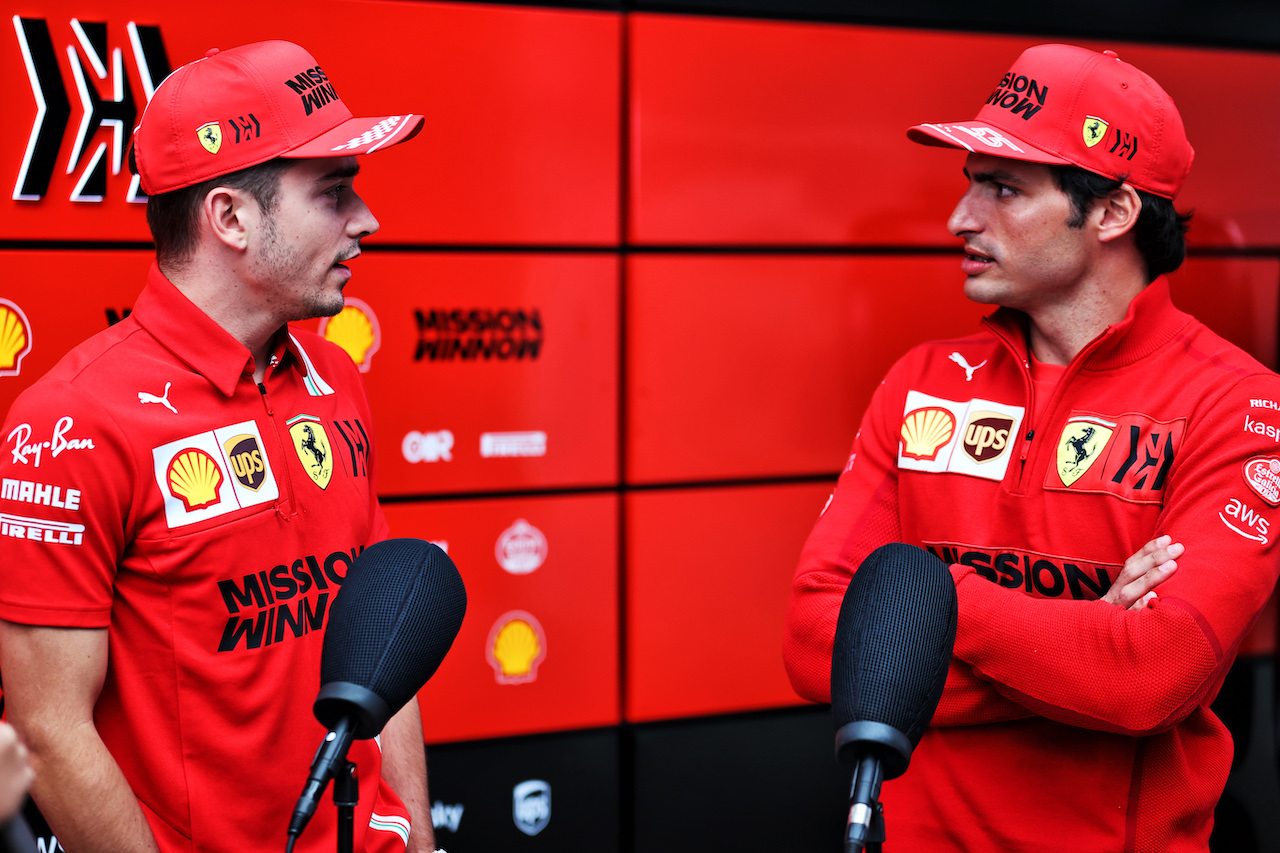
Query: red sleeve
(862,515)
(66,477)
(1103,668)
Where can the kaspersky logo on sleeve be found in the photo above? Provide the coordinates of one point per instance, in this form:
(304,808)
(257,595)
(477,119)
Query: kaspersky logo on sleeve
(213,473)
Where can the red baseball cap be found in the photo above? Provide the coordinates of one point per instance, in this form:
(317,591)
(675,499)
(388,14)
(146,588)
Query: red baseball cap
(244,106)
(1072,106)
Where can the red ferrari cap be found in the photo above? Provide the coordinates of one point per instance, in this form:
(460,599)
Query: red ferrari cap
(1071,106)
(244,106)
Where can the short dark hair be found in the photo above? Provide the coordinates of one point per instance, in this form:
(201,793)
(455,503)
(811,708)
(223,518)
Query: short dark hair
(1160,232)
(173,216)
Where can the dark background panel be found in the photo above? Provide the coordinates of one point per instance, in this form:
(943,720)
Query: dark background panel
(766,781)
(582,770)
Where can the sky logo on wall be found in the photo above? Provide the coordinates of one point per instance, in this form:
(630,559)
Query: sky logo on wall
(531,806)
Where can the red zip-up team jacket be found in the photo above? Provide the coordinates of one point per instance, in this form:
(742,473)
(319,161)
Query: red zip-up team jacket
(1066,723)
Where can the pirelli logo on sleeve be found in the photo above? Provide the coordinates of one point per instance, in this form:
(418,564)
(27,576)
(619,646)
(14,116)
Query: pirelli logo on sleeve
(971,437)
(1128,455)
(213,473)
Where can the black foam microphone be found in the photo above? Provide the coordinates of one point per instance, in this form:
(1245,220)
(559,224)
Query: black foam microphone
(893,645)
(390,627)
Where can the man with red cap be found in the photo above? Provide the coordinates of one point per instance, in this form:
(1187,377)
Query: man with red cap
(184,492)
(1090,444)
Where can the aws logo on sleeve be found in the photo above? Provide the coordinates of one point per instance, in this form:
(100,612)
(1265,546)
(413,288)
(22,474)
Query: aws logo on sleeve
(213,473)
(1127,455)
(972,437)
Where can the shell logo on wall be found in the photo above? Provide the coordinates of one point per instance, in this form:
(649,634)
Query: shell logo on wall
(517,645)
(15,338)
(355,329)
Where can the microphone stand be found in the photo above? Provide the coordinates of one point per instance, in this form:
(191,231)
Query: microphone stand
(346,793)
(866,823)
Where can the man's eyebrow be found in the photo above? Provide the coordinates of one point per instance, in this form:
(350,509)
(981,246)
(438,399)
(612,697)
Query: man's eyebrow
(341,172)
(998,176)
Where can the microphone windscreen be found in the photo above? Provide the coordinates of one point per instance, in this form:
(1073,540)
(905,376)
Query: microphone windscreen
(391,624)
(893,641)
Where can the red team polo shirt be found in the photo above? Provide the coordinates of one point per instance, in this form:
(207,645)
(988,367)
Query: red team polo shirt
(150,487)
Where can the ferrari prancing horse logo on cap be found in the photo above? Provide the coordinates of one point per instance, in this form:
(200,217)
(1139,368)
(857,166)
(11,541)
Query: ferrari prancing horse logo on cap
(210,136)
(1094,131)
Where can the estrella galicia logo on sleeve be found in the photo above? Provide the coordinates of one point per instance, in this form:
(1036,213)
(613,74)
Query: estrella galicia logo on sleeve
(200,476)
(1262,474)
(312,445)
(1127,455)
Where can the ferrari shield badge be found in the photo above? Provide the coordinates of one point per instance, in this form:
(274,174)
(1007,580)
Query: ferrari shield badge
(1095,129)
(210,136)
(312,445)
(1082,441)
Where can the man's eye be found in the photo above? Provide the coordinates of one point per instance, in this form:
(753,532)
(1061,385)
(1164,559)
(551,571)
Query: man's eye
(1005,191)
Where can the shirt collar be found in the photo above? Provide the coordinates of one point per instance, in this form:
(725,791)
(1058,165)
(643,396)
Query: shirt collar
(197,339)
(1150,322)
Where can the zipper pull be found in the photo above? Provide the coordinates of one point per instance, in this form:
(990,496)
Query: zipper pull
(266,401)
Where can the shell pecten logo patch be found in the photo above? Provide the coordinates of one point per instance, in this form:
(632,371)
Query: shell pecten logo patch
(925,431)
(194,478)
(517,645)
(355,329)
(15,338)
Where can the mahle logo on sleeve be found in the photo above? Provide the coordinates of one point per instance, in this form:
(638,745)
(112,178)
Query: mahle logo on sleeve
(213,473)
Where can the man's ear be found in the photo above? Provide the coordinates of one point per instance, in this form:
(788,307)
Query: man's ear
(1117,214)
(230,215)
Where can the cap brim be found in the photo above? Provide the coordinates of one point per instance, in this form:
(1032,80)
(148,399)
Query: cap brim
(359,136)
(982,138)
